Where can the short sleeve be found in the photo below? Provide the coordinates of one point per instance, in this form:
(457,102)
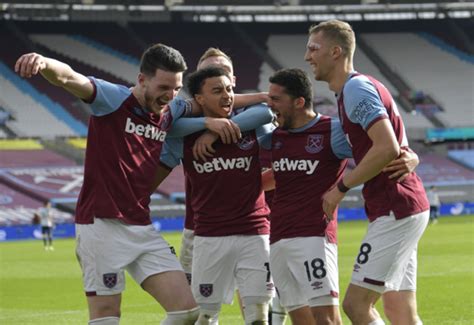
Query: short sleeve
(339,144)
(362,102)
(107,96)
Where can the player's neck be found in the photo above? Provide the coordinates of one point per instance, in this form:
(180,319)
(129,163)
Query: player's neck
(341,73)
(139,95)
(302,119)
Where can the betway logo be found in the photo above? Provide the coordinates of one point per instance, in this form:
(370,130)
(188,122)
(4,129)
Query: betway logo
(147,131)
(285,164)
(223,164)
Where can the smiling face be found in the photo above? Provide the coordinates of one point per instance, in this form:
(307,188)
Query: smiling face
(319,56)
(216,96)
(283,106)
(160,89)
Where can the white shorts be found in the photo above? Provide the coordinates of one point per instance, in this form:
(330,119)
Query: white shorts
(387,257)
(186,253)
(305,271)
(108,247)
(219,263)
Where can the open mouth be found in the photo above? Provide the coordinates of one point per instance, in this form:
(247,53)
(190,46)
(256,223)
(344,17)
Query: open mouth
(161,102)
(227,106)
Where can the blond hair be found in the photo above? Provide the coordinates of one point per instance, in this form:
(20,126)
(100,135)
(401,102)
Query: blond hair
(339,32)
(211,52)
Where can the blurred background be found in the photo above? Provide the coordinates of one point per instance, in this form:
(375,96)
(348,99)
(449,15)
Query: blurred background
(423,51)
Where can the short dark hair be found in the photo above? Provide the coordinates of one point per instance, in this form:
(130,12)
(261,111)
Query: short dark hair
(163,57)
(196,79)
(296,82)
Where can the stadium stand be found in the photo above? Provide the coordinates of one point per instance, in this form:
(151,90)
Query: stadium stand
(17,208)
(33,110)
(22,180)
(424,66)
(439,171)
(92,53)
(193,39)
(464,157)
(288,50)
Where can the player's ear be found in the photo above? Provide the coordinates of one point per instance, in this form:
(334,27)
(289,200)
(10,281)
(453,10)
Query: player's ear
(141,79)
(336,51)
(199,98)
(300,102)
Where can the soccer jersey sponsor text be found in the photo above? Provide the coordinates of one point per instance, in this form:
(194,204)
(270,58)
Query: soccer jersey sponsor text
(285,164)
(218,164)
(147,131)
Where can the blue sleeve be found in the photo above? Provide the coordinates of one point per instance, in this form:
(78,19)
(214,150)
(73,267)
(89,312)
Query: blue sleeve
(265,139)
(339,144)
(172,152)
(362,102)
(187,125)
(253,117)
(250,119)
(179,107)
(108,96)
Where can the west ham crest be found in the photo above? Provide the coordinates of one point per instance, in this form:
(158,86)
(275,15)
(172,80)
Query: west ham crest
(277,145)
(110,279)
(314,143)
(205,289)
(246,143)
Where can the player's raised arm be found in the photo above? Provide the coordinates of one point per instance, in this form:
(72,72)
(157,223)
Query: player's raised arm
(57,73)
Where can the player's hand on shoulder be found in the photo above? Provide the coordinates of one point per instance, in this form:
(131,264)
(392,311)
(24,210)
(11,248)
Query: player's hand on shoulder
(202,148)
(30,64)
(228,131)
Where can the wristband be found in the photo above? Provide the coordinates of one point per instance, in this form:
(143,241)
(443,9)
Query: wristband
(341,187)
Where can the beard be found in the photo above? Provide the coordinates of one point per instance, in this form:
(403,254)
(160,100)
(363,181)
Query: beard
(287,121)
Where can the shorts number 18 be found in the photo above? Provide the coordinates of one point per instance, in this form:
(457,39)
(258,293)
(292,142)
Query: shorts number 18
(315,268)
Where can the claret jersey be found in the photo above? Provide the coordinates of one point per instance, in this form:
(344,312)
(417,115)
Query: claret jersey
(306,163)
(226,197)
(123,151)
(362,102)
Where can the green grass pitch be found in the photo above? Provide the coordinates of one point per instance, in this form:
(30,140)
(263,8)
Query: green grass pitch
(38,287)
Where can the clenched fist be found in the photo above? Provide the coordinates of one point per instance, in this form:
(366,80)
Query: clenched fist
(30,64)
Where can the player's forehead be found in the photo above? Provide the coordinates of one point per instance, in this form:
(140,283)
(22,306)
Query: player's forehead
(315,41)
(217,83)
(218,61)
(167,78)
(276,91)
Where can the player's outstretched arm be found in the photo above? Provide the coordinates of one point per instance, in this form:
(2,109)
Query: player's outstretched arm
(57,73)
(242,100)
